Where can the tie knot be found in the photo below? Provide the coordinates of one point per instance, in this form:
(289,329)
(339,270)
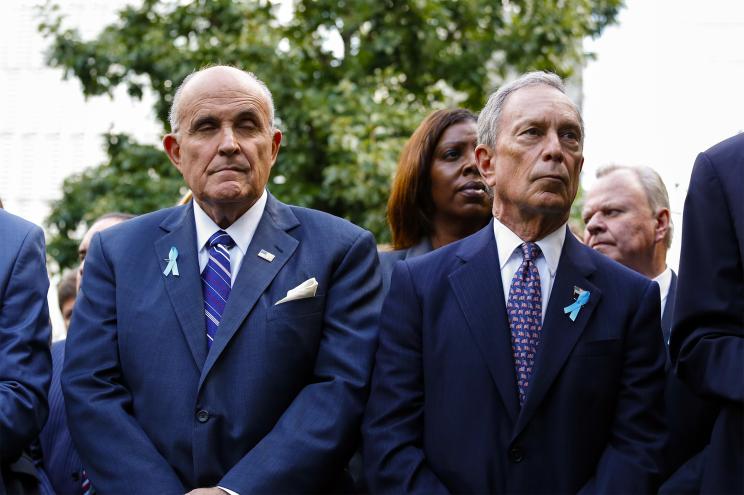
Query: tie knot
(530,251)
(221,238)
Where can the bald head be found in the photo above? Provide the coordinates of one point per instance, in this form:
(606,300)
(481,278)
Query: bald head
(197,81)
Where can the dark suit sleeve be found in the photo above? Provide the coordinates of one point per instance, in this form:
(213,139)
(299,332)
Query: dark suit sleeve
(394,459)
(25,361)
(316,435)
(117,454)
(632,460)
(707,344)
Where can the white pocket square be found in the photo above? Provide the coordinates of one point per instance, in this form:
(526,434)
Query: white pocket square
(304,290)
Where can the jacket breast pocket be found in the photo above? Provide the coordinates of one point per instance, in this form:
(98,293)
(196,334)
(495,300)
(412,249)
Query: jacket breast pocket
(598,347)
(297,309)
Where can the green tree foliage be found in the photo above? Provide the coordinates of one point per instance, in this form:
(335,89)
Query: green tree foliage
(351,80)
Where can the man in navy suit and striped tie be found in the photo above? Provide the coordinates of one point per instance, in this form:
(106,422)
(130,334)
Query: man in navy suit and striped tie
(225,345)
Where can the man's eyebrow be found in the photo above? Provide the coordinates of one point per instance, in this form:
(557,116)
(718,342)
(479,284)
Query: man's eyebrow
(205,119)
(251,114)
(571,125)
(531,121)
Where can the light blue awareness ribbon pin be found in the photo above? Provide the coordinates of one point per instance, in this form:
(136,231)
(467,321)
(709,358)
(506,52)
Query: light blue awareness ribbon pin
(172,266)
(576,306)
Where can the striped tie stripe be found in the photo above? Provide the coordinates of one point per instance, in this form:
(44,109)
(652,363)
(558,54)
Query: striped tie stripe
(216,281)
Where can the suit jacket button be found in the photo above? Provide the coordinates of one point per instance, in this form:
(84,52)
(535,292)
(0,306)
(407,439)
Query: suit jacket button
(516,454)
(202,416)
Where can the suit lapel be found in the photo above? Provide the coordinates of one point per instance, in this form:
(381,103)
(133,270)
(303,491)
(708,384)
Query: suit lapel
(184,290)
(255,273)
(477,288)
(559,333)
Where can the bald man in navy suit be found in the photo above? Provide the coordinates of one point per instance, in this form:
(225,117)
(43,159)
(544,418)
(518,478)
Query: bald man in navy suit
(225,345)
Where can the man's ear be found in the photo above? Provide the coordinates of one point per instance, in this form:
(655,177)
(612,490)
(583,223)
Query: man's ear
(276,140)
(663,219)
(485,162)
(173,149)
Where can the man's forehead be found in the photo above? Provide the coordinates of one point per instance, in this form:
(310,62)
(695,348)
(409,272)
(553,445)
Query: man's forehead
(539,102)
(222,82)
(235,99)
(619,180)
(617,188)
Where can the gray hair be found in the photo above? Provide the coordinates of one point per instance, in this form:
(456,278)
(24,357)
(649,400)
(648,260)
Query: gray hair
(488,120)
(653,187)
(174,114)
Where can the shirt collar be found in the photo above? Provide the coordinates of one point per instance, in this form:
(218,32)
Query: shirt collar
(551,245)
(241,230)
(664,279)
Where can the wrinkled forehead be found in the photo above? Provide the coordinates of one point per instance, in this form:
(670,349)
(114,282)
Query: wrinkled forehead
(616,188)
(541,102)
(222,92)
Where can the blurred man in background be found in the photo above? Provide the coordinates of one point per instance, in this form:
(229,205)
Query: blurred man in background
(103,222)
(627,218)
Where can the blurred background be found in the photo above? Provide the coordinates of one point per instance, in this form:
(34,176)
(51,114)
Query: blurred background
(86,86)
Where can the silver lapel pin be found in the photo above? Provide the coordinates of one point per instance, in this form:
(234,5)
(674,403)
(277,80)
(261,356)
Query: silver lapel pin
(266,255)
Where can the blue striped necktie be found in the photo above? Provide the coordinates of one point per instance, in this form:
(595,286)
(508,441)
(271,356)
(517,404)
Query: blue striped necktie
(216,281)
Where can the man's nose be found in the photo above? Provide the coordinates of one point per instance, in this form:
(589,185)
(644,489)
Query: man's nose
(594,226)
(553,149)
(228,144)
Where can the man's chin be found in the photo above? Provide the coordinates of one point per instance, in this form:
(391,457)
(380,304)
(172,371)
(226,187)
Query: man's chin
(231,196)
(552,202)
(607,250)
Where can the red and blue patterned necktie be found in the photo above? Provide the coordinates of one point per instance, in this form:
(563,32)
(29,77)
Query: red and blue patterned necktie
(216,281)
(524,308)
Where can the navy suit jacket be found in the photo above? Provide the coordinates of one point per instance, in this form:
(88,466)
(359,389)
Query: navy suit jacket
(707,344)
(389,258)
(25,363)
(274,405)
(61,461)
(444,413)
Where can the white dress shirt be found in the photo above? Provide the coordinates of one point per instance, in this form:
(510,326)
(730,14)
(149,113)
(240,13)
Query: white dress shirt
(664,279)
(510,257)
(241,231)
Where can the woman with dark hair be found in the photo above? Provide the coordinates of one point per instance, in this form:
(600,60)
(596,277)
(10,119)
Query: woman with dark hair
(438,195)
